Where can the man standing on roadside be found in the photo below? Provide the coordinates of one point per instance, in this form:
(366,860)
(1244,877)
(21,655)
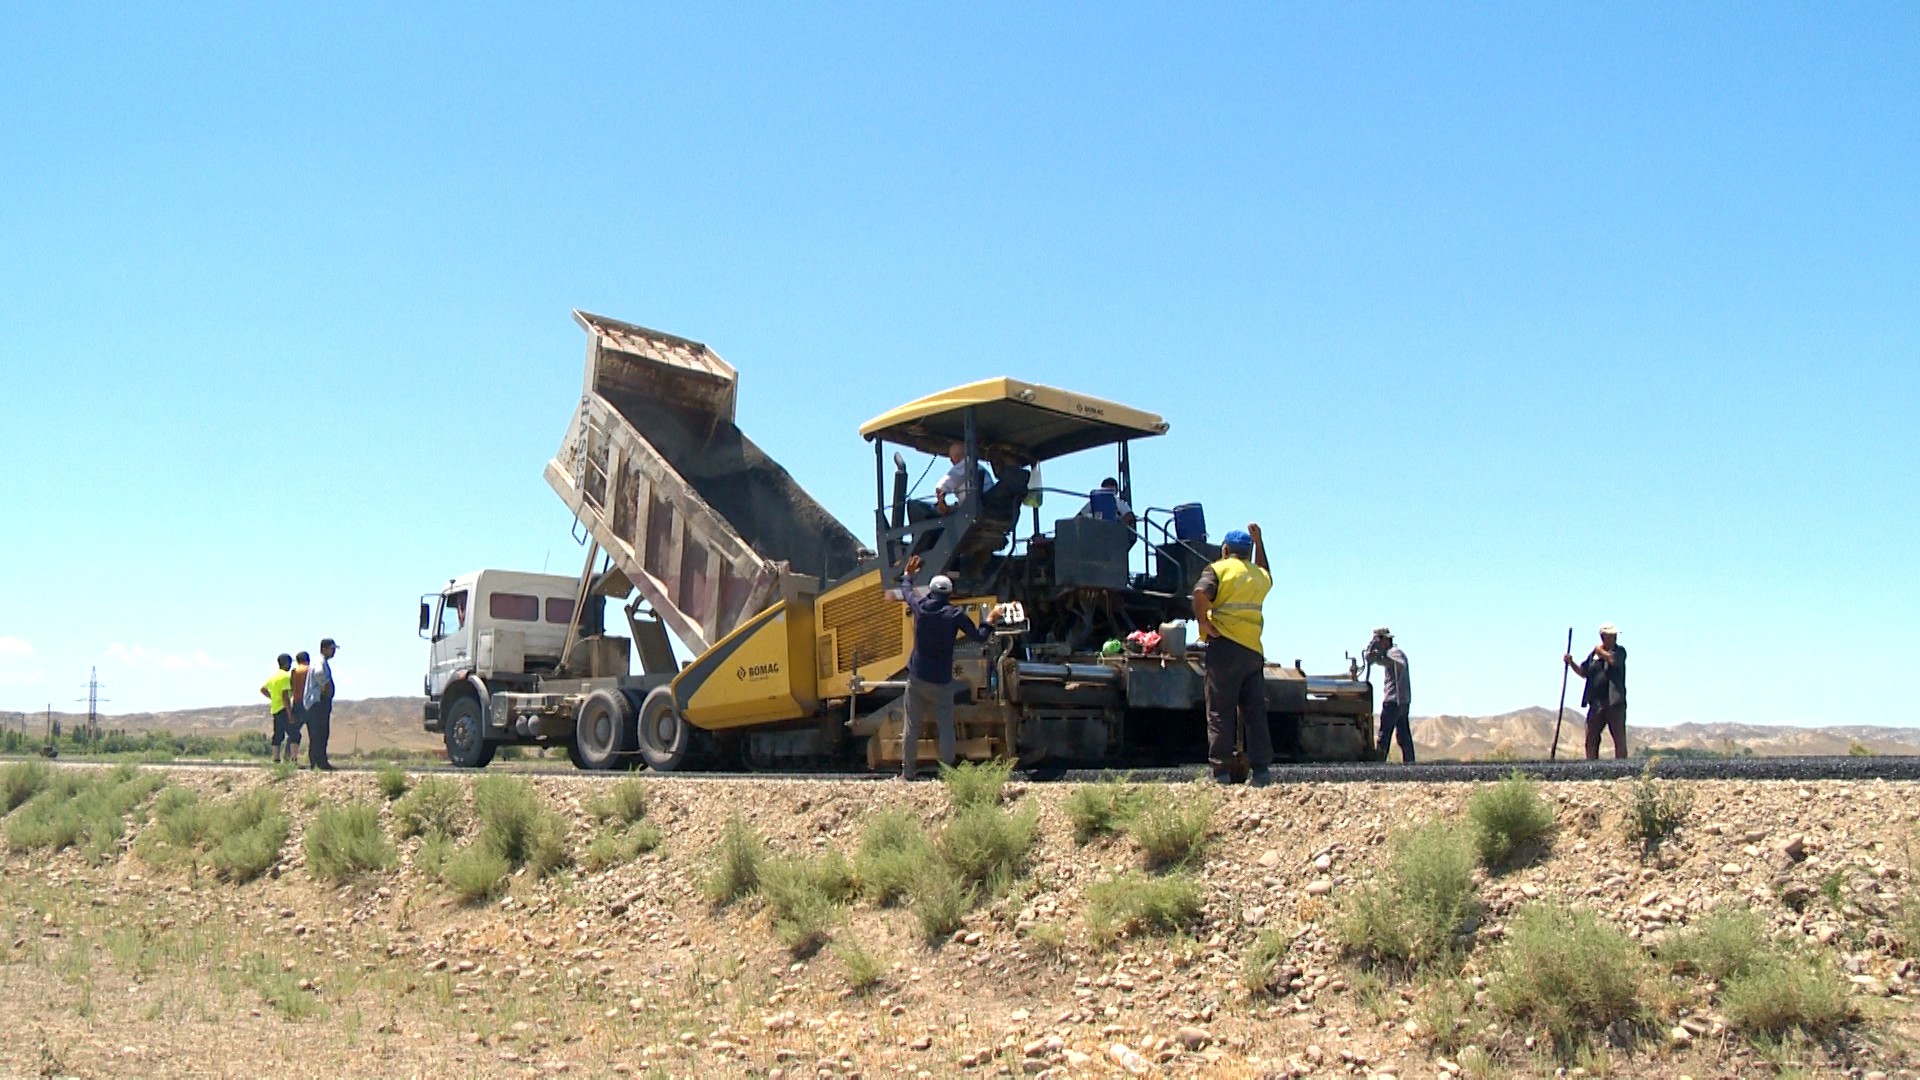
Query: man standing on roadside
(296,703)
(1396,694)
(1226,604)
(1605,696)
(278,690)
(937,626)
(318,700)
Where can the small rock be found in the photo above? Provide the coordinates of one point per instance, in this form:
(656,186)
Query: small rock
(1323,864)
(1795,849)
(1269,859)
(1193,1038)
(1129,1059)
(924,1042)
(1679,1037)
(1319,887)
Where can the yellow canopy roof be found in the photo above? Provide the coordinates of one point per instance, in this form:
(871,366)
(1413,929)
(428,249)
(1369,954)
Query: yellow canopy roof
(1033,421)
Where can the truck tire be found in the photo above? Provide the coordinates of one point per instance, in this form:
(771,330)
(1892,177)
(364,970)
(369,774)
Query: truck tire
(466,733)
(603,732)
(664,736)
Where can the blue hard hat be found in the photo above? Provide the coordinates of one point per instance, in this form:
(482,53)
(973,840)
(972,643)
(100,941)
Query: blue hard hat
(1238,540)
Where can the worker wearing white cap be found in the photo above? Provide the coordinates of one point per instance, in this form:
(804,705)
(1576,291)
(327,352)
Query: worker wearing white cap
(1396,694)
(937,626)
(1605,696)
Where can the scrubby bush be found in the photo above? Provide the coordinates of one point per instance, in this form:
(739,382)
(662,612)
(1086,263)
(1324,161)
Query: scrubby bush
(1655,809)
(940,900)
(619,845)
(1508,816)
(21,781)
(624,804)
(986,845)
(736,869)
(807,897)
(864,969)
(516,826)
(1568,972)
(893,851)
(74,809)
(1103,808)
(973,784)
(1171,832)
(392,781)
(1779,992)
(1413,911)
(1260,969)
(1134,902)
(1724,944)
(1047,938)
(475,872)
(345,841)
(240,838)
(435,807)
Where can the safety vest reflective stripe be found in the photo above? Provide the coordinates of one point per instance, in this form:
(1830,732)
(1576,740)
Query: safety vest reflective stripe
(1235,612)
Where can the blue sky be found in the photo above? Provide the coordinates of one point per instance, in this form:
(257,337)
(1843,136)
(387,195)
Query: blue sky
(1500,318)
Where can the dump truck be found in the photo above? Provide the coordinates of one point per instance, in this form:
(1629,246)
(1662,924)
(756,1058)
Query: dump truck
(795,630)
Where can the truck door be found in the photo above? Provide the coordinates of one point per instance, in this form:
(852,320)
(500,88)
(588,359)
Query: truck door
(452,640)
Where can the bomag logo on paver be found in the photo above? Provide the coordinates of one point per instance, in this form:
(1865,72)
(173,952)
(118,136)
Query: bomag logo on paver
(756,671)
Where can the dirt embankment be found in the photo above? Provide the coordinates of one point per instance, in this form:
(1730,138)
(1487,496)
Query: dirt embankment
(137,967)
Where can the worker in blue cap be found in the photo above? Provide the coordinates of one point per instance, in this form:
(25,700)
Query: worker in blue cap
(1226,604)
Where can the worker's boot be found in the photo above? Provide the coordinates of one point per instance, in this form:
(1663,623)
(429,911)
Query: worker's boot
(1260,777)
(1223,778)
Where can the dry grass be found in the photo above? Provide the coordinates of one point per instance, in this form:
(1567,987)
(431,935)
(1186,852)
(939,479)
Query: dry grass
(1104,808)
(972,784)
(346,841)
(1565,971)
(1171,830)
(736,869)
(1510,820)
(1133,903)
(435,807)
(1412,912)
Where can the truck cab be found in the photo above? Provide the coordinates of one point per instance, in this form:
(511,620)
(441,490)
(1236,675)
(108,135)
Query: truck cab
(497,622)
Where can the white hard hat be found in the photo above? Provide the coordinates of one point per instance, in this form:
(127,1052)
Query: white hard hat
(941,583)
(1609,628)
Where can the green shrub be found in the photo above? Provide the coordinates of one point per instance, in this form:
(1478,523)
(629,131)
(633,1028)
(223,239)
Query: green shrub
(345,841)
(1447,1016)
(1724,944)
(940,899)
(1655,809)
(88,811)
(864,969)
(807,897)
(625,804)
(1411,913)
(21,781)
(1171,832)
(736,869)
(1049,938)
(973,784)
(476,872)
(1103,808)
(1508,817)
(392,781)
(1568,972)
(1260,969)
(619,845)
(1778,993)
(1134,902)
(282,771)
(986,845)
(893,850)
(518,827)
(435,807)
(240,837)
(431,859)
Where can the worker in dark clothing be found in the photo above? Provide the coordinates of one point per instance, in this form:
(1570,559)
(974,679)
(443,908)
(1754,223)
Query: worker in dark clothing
(1396,694)
(1226,605)
(1605,696)
(937,626)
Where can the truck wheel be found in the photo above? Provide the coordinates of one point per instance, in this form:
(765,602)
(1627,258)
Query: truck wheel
(664,737)
(603,732)
(467,744)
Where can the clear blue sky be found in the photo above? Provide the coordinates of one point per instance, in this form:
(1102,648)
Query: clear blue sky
(1500,318)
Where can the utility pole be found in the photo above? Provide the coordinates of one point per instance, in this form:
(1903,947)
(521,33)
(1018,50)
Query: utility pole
(93,699)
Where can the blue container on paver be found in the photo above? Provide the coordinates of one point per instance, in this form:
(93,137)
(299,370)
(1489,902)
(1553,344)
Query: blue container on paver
(1189,522)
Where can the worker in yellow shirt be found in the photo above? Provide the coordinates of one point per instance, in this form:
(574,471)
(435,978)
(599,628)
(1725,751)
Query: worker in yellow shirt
(1226,604)
(278,690)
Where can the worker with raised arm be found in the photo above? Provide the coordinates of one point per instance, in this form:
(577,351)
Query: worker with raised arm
(937,627)
(1226,604)
(1396,694)
(1605,696)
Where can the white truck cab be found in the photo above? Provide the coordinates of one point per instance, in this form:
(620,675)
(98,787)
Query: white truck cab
(496,622)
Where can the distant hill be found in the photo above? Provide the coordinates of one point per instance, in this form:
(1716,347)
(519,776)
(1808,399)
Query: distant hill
(365,724)
(1528,733)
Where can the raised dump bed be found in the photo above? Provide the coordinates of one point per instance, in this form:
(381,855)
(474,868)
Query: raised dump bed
(707,526)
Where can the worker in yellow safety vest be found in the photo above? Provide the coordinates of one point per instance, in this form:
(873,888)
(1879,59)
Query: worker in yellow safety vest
(1226,604)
